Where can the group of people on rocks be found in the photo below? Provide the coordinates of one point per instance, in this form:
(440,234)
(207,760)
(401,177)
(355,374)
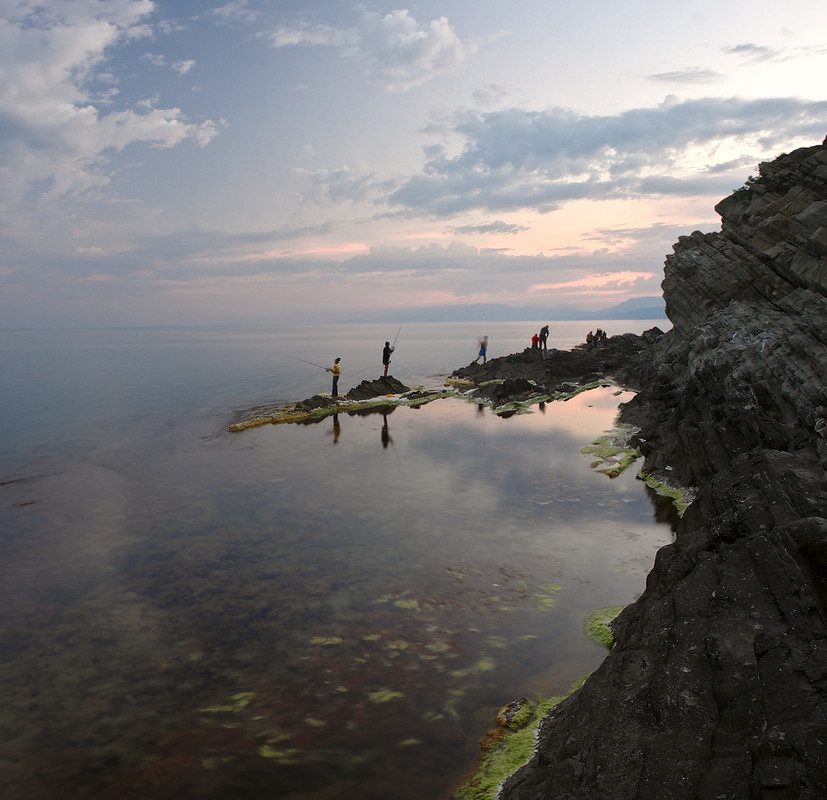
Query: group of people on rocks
(594,339)
(539,341)
(336,370)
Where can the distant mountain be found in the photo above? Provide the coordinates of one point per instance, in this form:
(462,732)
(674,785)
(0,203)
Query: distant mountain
(635,308)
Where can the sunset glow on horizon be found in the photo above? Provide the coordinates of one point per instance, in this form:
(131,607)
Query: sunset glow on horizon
(313,160)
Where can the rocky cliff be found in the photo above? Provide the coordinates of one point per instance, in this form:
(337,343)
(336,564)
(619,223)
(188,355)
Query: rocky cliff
(717,685)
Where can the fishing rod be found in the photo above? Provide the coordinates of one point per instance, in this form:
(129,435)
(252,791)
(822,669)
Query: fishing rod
(393,346)
(312,363)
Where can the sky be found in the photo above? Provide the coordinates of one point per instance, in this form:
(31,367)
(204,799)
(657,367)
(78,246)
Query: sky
(200,162)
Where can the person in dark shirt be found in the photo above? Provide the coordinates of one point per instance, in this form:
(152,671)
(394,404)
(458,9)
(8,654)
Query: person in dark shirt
(386,356)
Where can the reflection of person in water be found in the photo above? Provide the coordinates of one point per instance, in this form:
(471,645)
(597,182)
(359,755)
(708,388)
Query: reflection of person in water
(386,433)
(337,429)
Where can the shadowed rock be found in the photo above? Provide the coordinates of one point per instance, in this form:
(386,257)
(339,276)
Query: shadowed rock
(717,686)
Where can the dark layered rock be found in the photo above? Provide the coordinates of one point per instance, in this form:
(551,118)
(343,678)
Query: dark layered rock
(717,685)
(377,388)
(366,390)
(541,373)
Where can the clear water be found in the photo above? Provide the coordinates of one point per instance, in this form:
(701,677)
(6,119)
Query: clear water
(328,610)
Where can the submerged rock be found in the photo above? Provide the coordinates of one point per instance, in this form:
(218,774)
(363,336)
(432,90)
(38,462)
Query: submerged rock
(516,714)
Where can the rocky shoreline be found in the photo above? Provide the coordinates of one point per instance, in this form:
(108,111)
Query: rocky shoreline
(717,684)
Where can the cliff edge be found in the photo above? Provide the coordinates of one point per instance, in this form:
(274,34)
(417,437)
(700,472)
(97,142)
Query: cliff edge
(717,684)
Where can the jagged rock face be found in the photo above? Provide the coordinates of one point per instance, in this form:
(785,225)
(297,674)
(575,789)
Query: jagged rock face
(773,240)
(717,687)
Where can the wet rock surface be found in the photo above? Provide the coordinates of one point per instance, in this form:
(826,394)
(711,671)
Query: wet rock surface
(319,405)
(537,373)
(717,685)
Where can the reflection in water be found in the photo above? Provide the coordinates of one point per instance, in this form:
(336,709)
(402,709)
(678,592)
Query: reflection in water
(271,621)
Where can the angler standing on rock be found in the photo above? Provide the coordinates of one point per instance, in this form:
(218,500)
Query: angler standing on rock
(483,349)
(386,356)
(334,392)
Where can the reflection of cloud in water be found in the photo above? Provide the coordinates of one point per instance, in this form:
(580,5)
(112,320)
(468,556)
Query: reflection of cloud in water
(287,586)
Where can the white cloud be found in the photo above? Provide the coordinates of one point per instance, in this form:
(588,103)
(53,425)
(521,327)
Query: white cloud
(490,228)
(756,53)
(689,75)
(395,50)
(55,137)
(515,158)
(236,11)
(183,67)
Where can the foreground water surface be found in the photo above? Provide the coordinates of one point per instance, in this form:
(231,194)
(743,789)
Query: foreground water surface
(317,611)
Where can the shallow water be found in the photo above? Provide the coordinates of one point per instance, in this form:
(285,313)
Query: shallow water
(326,610)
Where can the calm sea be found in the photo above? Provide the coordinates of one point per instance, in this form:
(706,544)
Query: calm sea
(305,611)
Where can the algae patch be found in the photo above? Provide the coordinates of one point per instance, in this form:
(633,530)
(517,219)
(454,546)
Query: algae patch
(612,451)
(504,751)
(509,747)
(294,413)
(384,696)
(597,625)
(682,498)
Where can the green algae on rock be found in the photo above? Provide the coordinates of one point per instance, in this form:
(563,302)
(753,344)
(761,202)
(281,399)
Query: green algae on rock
(296,413)
(597,625)
(512,744)
(504,751)
(612,450)
(682,498)
(516,714)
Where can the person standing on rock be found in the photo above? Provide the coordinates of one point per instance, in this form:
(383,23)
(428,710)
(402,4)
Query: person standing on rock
(386,356)
(544,337)
(589,339)
(483,349)
(334,392)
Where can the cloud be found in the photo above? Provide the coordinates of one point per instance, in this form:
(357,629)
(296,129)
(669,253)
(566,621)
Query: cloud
(603,280)
(490,227)
(181,67)
(755,53)
(688,75)
(341,184)
(55,138)
(490,95)
(394,50)
(236,11)
(513,159)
